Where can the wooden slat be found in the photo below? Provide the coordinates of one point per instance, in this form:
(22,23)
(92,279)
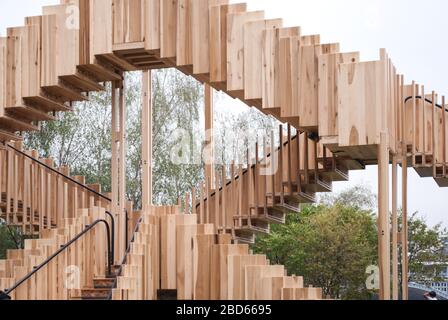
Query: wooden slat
(218,39)
(235,47)
(253,56)
(168,28)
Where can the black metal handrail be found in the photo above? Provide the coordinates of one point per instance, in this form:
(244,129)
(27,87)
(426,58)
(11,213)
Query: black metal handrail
(426,100)
(123,262)
(7,292)
(112,239)
(59,173)
(126,235)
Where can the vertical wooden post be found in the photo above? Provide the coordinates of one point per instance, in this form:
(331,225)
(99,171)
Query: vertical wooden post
(114,164)
(209,126)
(404,193)
(122,140)
(414,124)
(394,229)
(147,188)
(383,217)
(423,126)
(444,135)
(223,199)
(435,130)
(404,228)
(118,165)
(122,169)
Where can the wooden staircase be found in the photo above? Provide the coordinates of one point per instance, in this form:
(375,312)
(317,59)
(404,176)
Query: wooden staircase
(340,107)
(35,198)
(269,188)
(81,265)
(285,74)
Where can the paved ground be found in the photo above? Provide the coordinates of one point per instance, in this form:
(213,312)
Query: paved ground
(416,294)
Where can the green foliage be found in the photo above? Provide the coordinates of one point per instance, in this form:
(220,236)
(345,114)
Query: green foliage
(238,132)
(427,255)
(360,197)
(8,238)
(330,245)
(177,103)
(82,139)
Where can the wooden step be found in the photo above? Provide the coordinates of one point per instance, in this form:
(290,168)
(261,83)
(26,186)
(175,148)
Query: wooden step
(254,225)
(95,294)
(47,103)
(272,215)
(29,113)
(317,185)
(287,207)
(11,123)
(423,165)
(137,57)
(8,136)
(104,283)
(83,82)
(166,295)
(65,92)
(244,236)
(101,72)
(294,198)
(442,182)
(440,175)
(334,170)
(335,175)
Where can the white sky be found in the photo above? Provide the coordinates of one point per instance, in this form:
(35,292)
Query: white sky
(412,31)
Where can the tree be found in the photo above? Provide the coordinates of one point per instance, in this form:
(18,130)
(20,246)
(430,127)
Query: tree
(235,134)
(359,196)
(82,139)
(330,245)
(10,238)
(427,255)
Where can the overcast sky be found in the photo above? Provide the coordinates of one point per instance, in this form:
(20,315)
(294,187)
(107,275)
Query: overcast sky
(413,32)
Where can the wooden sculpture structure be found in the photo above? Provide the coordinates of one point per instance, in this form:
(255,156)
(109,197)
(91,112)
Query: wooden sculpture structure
(347,114)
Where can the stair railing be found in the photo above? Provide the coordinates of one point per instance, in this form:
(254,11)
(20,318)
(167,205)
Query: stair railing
(59,173)
(6,293)
(123,262)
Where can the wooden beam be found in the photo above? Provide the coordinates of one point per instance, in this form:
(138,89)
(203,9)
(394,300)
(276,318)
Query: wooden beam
(209,152)
(147,123)
(394,229)
(404,229)
(114,164)
(383,217)
(118,165)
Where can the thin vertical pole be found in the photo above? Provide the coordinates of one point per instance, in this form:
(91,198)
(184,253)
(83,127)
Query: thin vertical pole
(223,199)
(423,126)
(209,127)
(273,167)
(414,123)
(383,217)
(404,228)
(404,193)
(444,135)
(394,229)
(147,122)
(122,138)
(122,168)
(435,130)
(114,164)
